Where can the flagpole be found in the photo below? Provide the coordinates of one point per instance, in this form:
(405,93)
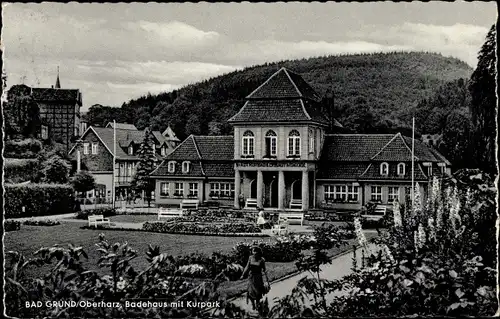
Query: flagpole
(113,195)
(413,166)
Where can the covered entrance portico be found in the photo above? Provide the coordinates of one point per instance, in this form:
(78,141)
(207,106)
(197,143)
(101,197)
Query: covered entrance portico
(273,186)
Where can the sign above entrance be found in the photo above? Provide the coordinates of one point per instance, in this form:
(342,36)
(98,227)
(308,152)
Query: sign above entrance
(271,164)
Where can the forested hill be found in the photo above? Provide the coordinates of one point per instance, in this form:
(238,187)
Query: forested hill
(371,90)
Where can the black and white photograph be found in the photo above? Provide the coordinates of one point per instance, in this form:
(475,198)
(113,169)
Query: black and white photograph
(250,160)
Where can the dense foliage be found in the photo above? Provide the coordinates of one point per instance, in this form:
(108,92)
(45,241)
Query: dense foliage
(22,114)
(484,101)
(41,222)
(11,225)
(20,170)
(367,89)
(22,148)
(83,181)
(38,200)
(437,259)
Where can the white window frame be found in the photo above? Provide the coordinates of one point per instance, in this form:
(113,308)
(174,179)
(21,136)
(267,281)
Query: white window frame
(163,150)
(311,144)
(391,195)
(273,143)
(374,193)
(122,170)
(86,148)
(164,188)
(329,191)
(193,189)
(186,166)
(214,189)
(171,167)
(386,166)
(222,190)
(293,143)
(179,189)
(130,150)
(352,193)
(248,144)
(94,148)
(129,169)
(401,169)
(340,192)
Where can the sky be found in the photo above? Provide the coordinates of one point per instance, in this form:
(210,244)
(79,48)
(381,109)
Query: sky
(116,52)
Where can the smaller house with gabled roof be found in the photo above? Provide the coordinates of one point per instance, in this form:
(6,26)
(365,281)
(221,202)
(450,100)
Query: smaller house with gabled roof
(280,158)
(96,153)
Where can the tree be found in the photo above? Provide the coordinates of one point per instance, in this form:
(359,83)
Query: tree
(482,88)
(22,113)
(83,181)
(55,170)
(147,163)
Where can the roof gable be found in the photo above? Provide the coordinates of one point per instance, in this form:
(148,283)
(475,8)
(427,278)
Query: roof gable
(213,148)
(395,150)
(122,126)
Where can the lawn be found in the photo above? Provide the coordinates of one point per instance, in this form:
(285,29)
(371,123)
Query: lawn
(31,238)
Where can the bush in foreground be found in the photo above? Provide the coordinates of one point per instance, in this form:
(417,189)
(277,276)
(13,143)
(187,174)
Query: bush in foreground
(11,225)
(38,200)
(106,212)
(46,222)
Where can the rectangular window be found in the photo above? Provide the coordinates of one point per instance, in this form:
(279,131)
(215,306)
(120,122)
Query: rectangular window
(214,189)
(393,194)
(163,151)
(271,146)
(94,148)
(311,144)
(85,148)
(329,192)
(130,150)
(376,193)
(340,192)
(248,147)
(129,167)
(222,190)
(122,169)
(164,188)
(179,189)
(193,189)
(352,193)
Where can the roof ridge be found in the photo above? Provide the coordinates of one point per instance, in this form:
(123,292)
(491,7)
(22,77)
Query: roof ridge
(304,109)
(265,82)
(295,86)
(408,147)
(241,110)
(196,146)
(366,170)
(390,141)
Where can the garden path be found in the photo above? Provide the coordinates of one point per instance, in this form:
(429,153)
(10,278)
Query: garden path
(340,267)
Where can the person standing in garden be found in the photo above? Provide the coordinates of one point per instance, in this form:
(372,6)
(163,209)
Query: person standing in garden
(257,288)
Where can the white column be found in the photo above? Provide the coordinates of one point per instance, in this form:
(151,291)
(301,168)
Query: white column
(281,190)
(78,161)
(305,190)
(259,188)
(237,189)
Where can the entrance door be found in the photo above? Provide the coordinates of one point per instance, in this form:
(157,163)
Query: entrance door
(273,193)
(297,189)
(253,189)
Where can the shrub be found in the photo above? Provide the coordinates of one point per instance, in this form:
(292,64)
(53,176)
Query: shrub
(26,148)
(83,181)
(20,170)
(198,228)
(38,200)
(46,222)
(11,225)
(106,212)
(272,252)
(55,169)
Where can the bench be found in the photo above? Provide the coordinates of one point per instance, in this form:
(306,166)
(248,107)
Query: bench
(168,213)
(292,217)
(378,213)
(190,203)
(281,227)
(251,203)
(296,203)
(98,220)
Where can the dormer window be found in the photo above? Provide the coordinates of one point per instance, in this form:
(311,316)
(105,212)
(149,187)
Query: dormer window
(185,166)
(163,151)
(384,169)
(130,150)
(401,169)
(247,144)
(294,143)
(171,167)
(271,142)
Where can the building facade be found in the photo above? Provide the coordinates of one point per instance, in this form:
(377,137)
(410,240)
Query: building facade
(281,158)
(59,112)
(96,155)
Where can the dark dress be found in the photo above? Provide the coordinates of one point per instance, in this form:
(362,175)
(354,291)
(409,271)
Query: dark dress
(255,280)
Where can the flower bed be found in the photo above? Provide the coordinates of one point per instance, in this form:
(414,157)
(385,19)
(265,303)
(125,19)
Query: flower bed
(106,212)
(198,228)
(46,222)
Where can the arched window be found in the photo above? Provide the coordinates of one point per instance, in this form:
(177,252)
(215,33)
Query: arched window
(384,169)
(271,142)
(185,167)
(248,144)
(130,150)
(171,167)
(401,169)
(294,143)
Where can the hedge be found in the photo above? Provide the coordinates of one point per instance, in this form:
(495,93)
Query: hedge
(190,227)
(105,212)
(20,170)
(27,148)
(38,200)
(11,225)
